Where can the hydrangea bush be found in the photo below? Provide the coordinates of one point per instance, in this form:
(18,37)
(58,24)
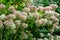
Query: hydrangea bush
(30,23)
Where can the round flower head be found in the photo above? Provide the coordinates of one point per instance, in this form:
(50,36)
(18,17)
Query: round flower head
(2,6)
(24,25)
(22,17)
(49,13)
(54,19)
(41,34)
(11,8)
(17,13)
(18,23)
(9,24)
(54,6)
(45,38)
(55,26)
(10,16)
(23,35)
(1,25)
(36,15)
(57,14)
(2,17)
(49,23)
(12,31)
(14,12)
(33,8)
(24,13)
(44,21)
(48,8)
(40,8)
(51,30)
(26,9)
(51,37)
(38,23)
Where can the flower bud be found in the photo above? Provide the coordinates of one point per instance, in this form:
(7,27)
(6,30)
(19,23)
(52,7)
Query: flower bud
(24,25)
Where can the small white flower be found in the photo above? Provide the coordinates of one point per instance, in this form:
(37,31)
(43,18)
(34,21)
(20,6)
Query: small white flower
(24,25)
(2,17)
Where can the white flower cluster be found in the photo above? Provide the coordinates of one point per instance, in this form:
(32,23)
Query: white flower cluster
(18,19)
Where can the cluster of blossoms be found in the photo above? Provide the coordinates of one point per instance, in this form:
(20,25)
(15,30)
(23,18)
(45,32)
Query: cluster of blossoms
(22,21)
